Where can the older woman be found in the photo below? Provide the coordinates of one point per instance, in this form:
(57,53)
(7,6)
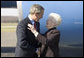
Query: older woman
(50,41)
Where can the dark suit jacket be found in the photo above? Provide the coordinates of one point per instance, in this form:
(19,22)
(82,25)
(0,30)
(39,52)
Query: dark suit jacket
(50,41)
(26,42)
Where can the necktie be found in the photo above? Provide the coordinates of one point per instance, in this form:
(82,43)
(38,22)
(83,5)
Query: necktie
(35,25)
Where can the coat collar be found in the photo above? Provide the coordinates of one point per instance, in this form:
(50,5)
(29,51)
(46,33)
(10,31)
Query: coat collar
(50,29)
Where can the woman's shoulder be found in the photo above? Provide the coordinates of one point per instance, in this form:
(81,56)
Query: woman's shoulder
(53,33)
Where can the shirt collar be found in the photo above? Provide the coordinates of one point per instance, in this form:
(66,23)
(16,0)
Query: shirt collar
(32,21)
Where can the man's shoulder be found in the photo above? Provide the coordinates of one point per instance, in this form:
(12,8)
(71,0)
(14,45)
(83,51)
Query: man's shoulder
(24,21)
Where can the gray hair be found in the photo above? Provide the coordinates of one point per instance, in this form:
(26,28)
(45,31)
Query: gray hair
(36,8)
(55,19)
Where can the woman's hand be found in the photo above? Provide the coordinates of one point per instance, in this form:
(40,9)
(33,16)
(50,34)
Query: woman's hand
(33,30)
(31,27)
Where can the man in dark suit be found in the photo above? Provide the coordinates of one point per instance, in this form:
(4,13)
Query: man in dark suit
(27,44)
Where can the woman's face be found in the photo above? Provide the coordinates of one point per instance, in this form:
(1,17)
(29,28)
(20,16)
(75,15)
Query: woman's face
(49,24)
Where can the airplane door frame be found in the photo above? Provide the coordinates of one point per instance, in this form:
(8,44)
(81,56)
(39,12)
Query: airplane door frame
(19,7)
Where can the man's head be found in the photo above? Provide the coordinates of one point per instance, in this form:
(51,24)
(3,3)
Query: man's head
(36,12)
(54,20)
